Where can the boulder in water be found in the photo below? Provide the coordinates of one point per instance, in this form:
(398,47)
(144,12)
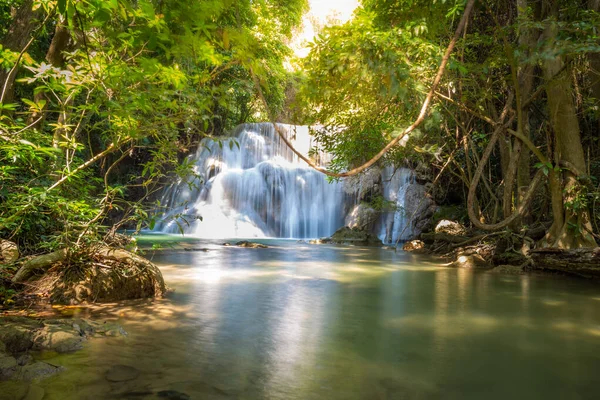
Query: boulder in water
(416,246)
(355,236)
(251,245)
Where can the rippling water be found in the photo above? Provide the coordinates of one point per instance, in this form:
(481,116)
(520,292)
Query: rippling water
(296,321)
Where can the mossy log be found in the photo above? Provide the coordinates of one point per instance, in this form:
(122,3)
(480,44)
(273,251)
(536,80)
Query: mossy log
(582,262)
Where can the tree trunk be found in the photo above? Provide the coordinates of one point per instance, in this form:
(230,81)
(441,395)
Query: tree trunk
(572,230)
(55,57)
(19,33)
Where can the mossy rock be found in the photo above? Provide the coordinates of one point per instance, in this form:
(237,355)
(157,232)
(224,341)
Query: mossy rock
(355,236)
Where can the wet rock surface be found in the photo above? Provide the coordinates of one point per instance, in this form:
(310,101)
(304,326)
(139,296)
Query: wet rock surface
(415,246)
(19,336)
(251,245)
(354,236)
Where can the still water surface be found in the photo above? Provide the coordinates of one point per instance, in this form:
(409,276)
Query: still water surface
(298,321)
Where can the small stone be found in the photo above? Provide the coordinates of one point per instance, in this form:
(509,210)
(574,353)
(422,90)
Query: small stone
(121,373)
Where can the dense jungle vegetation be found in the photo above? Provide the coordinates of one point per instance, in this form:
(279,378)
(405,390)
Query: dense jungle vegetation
(101,100)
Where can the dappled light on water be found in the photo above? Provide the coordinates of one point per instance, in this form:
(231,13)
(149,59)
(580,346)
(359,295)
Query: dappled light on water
(295,321)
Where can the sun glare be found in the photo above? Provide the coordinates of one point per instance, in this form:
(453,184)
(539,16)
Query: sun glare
(322,13)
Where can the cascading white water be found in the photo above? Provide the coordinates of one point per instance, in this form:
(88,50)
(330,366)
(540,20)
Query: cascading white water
(256,189)
(395,226)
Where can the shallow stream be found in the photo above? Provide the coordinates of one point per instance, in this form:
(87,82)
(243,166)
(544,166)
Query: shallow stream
(299,321)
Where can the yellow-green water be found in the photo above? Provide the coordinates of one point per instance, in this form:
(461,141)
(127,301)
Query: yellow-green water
(298,321)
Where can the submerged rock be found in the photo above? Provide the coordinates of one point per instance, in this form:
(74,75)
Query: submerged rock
(19,336)
(121,373)
(173,395)
(39,370)
(8,366)
(35,393)
(509,270)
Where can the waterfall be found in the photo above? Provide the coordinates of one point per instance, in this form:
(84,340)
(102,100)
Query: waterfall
(251,184)
(393,225)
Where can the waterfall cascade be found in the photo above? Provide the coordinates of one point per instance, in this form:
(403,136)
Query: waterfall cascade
(395,225)
(252,185)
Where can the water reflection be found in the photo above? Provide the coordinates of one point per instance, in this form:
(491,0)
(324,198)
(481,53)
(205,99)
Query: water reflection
(324,322)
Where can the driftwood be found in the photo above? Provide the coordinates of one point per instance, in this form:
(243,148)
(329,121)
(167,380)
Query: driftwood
(581,262)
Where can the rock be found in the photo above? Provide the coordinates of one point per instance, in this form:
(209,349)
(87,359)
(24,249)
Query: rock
(364,185)
(17,333)
(24,359)
(111,329)
(450,228)
(509,270)
(320,241)
(9,252)
(196,249)
(470,261)
(362,217)
(423,173)
(39,370)
(173,395)
(419,207)
(35,393)
(251,245)
(121,373)
(359,237)
(414,246)
(128,276)
(60,338)
(8,366)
